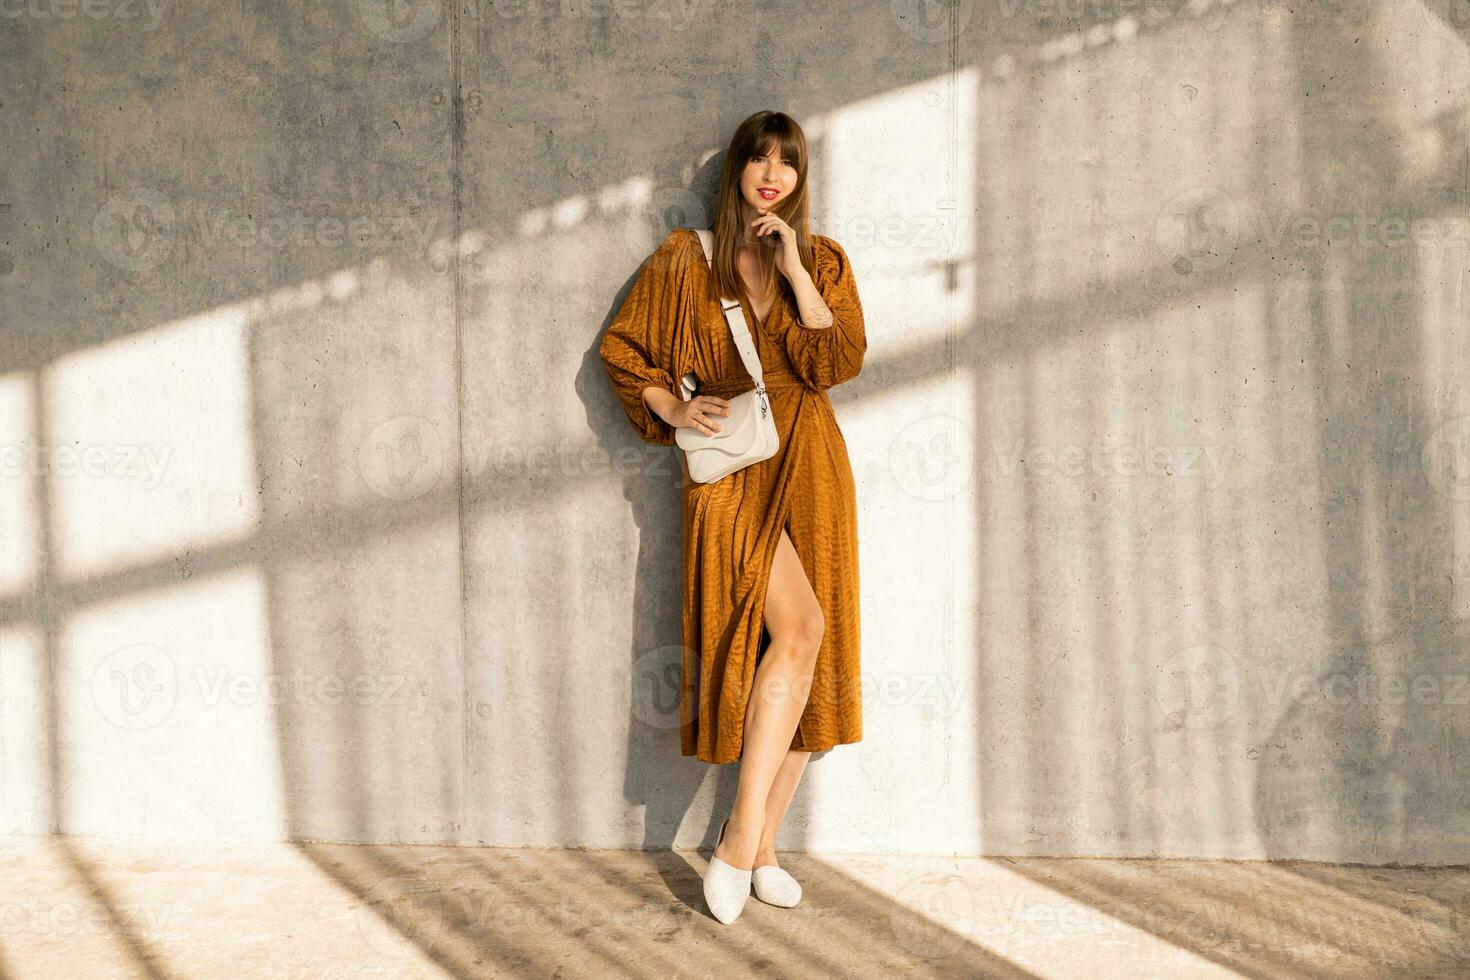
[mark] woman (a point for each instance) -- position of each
(774, 545)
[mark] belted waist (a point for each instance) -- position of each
(725, 388)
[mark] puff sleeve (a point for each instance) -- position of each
(827, 356)
(640, 346)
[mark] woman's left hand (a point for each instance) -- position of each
(788, 257)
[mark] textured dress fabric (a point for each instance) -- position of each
(669, 325)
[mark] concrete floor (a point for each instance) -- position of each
(94, 908)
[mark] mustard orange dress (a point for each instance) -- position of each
(667, 326)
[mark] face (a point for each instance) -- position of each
(767, 178)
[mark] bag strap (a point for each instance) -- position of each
(735, 317)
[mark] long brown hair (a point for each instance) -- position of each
(757, 133)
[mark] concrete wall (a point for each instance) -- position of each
(320, 520)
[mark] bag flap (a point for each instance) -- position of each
(738, 430)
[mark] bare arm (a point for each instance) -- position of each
(698, 411)
(829, 345)
(814, 312)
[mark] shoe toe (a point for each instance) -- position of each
(775, 887)
(725, 890)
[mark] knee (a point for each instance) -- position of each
(807, 631)
(799, 634)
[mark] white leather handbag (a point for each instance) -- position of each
(748, 434)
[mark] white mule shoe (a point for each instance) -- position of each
(775, 887)
(726, 887)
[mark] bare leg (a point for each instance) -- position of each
(783, 789)
(782, 683)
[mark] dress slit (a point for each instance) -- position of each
(798, 737)
(761, 634)
(757, 607)
(766, 639)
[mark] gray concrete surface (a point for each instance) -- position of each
(319, 521)
(123, 909)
